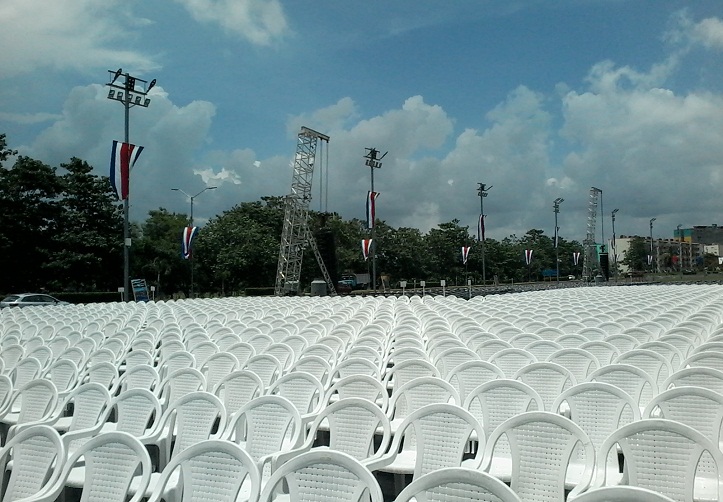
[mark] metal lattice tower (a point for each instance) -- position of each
(590, 259)
(296, 235)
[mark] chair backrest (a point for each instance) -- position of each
(25, 370)
(141, 376)
(302, 389)
(542, 349)
(203, 351)
(243, 351)
(495, 401)
(697, 407)
(355, 366)
(541, 445)
(193, 416)
(406, 371)
(238, 388)
(211, 470)
(648, 447)
(134, 410)
(360, 386)
(548, 379)
(604, 352)
(633, 380)
(63, 374)
(439, 434)
(324, 475)
(598, 408)
(315, 365)
(38, 455)
(89, 401)
(217, 367)
(510, 361)
(622, 494)
(698, 376)
(420, 392)
(457, 484)
(653, 363)
(112, 461)
(263, 424)
(449, 359)
(579, 361)
(471, 374)
(38, 400)
(267, 367)
(6, 392)
(354, 426)
(179, 383)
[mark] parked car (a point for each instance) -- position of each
(30, 299)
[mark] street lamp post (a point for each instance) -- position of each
(127, 94)
(192, 197)
(556, 207)
(482, 190)
(652, 256)
(615, 251)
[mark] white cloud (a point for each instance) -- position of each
(259, 21)
(685, 32)
(709, 32)
(28, 118)
(67, 34)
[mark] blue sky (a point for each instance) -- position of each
(538, 98)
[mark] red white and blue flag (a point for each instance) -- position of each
(189, 233)
(528, 256)
(122, 159)
(371, 208)
(481, 227)
(465, 254)
(366, 245)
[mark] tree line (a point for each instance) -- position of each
(61, 229)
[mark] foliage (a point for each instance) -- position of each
(636, 256)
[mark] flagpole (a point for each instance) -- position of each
(373, 162)
(482, 192)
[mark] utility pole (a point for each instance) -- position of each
(192, 197)
(680, 249)
(127, 94)
(651, 245)
(556, 207)
(482, 190)
(373, 161)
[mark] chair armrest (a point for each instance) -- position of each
(381, 462)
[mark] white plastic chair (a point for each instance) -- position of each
(471, 374)
(267, 367)
(407, 371)
(417, 393)
(243, 352)
(314, 365)
(36, 403)
(579, 361)
(111, 462)
(633, 380)
(510, 361)
(88, 402)
(496, 401)
(25, 370)
(141, 376)
(664, 455)
(186, 421)
(64, 375)
(176, 361)
(449, 359)
(6, 393)
(37, 454)
(541, 446)
(303, 390)
(266, 427)
(355, 426)
(432, 437)
(324, 475)
(178, 384)
(209, 470)
(457, 484)
(622, 494)
(654, 364)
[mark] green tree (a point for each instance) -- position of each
(87, 249)
(636, 256)
(445, 249)
(156, 252)
(28, 222)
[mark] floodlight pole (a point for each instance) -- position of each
(556, 207)
(373, 161)
(615, 252)
(129, 96)
(482, 190)
(192, 197)
(652, 257)
(680, 249)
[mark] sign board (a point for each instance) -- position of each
(443, 283)
(140, 290)
(403, 284)
(422, 283)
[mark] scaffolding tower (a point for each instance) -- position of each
(590, 263)
(296, 236)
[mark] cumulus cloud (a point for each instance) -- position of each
(709, 32)
(28, 118)
(67, 34)
(259, 21)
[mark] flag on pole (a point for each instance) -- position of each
(366, 245)
(371, 208)
(481, 228)
(650, 259)
(465, 254)
(576, 257)
(528, 256)
(189, 233)
(557, 229)
(123, 158)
